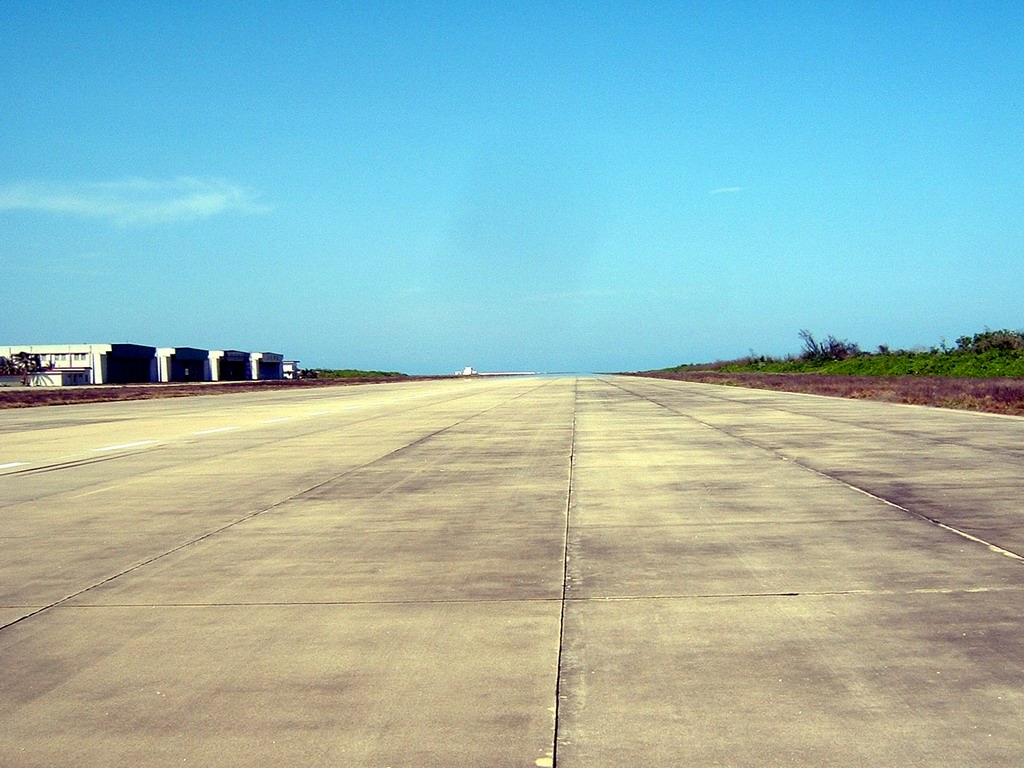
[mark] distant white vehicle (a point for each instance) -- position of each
(467, 371)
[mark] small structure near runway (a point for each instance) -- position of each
(471, 371)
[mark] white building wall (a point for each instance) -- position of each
(90, 356)
(215, 356)
(46, 379)
(59, 378)
(163, 363)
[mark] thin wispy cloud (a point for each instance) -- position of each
(133, 201)
(725, 191)
(594, 293)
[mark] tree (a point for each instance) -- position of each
(1004, 340)
(830, 348)
(20, 363)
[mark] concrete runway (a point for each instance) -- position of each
(511, 572)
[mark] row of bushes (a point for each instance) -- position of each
(987, 354)
(348, 373)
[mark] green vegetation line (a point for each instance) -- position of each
(990, 354)
(349, 373)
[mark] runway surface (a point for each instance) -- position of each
(591, 571)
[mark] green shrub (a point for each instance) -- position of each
(352, 373)
(988, 354)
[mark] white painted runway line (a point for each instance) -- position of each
(275, 421)
(136, 444)
(215, 430)
(12, 464)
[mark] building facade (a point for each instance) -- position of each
(57, 365)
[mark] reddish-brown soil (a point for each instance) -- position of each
(992, 395)
(26, 397)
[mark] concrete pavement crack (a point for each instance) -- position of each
(326, 603)
(800, 593)
(567, 600)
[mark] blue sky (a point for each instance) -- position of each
(541, 186)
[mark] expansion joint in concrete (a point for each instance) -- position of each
(804, 594)
(565, 574)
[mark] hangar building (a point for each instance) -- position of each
(68, 364)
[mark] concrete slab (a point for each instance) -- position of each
(44, 571)
(777, 559)
(867, 680)
(395, 601)
(740, 493)
(11, 613)
(407, 684)
(511, 562)
(894, 627)
(958, 467)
